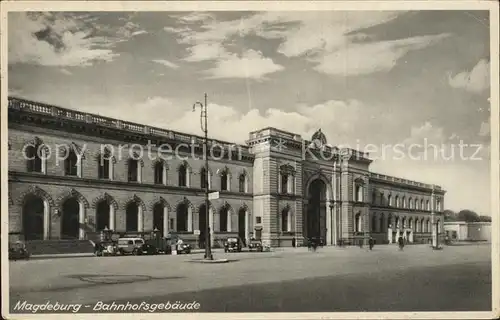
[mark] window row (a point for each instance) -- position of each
(36, 162)
(380, 224)
(417, 204)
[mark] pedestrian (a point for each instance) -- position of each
(293, 242)
(314, 245)
(371, 243)
(401, 243)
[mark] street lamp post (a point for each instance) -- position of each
(204, 128)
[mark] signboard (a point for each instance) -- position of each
(196, 232)
(213, 195)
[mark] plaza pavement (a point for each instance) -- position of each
(331, 279)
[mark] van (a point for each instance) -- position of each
(130, 245)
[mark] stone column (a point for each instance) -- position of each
(164, 174)
(228, 222)
(81, 221)
(389, 234)
(111, 168)
(79, 166)
(140, 220)
(190, 220)
(247, 222)
(46, 219)
(166, 220)
(111, 217)
(139, 172)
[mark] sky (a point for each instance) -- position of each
(371, 80)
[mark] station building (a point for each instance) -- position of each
(74, 174)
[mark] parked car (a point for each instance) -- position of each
(148, 249)
(130, 246)
(255, 245)
(233, 245)
(18, 251)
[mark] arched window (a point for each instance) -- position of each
(35, 156)
(203, 178)
(382, 199)
(159, 174)
(397, 201)
(104, 167)
(133, 170)
(410, 203)
(357, 223)
(404, 202)
(428, 205)
(182, 217)
(390, 222)
(374, 223)
(225, 180)
(223, 219)
(183, 175)
(422, 204)
(286, 179)
(358, 190)
(417, 204)
(389, 200)
(438, 205)
(404, 222)
(71, 164)
(381, 223)
(397, 223)
(374, 197)
(242, 182)
(285, 220)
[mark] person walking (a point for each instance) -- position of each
(401, 243)
(371, 243)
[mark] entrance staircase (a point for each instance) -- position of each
(59, 246)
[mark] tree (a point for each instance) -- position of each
(485, 218)
(468, 216)
(450, 215)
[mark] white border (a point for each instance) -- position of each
(492, 6)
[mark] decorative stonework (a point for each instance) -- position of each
(185, 201)
(135, 199)
(106, 197)
(162, 161)
(227, 206)
(72, 193)
(210, 205)
(161, 201)
(36, 191)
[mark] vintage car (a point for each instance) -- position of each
(233, 245)
(18, 251)
(255, 245)
(148, 249)
(183, 248)
(130, 246)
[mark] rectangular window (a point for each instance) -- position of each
(258, 219)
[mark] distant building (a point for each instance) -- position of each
(278, 187)
(468, 231)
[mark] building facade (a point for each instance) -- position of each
(468, 231)
(74, 174)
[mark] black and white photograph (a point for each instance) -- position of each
(250, 160)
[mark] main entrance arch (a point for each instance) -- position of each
(316, 211)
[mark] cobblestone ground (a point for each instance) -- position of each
(331, 279)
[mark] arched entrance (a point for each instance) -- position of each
(102, 215)
(33, 218)
(182, 217)
(70, 224)
(242, 223)
(159, 218)
(316, 210)
(132, 217)
(223, 219)
(202, 224)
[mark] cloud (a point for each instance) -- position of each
(166, 63)
(476, 81)
(251, 65)
(63, 39)
(66, 72)
(333, 40)
(359, 59)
